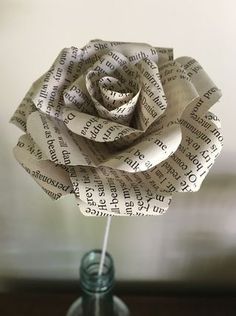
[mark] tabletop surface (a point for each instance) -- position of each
(57, 304)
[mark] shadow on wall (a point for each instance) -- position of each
(216, 266)
(208, 245)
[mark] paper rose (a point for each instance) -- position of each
(121, 125)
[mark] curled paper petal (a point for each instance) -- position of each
(53, 179)
(148, 152)
(185, 170)
(21, 114)
(207, 90)
(76, 96)
(54, 139)
(121, 125)
(47, 94)
(152, 99)
(110, 192)
(96, 128)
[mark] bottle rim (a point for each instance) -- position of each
(90, 280)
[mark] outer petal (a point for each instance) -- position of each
(179, 92)
(47, 93)
(164, 54)
(88, 211)
(53, 179)
(62, 146)
(117, 193)
(206, 88)
(133, 51)
(187, 167)
(21, 114)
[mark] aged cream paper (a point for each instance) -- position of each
(121, 125)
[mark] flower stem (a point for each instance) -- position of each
(104, 246)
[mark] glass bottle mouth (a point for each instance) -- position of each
(90, 280)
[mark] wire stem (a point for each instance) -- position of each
(104, 246)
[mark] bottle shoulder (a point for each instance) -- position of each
(119, 308)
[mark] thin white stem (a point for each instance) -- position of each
(104, 246)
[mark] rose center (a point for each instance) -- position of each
(114, 98)
(114, 94)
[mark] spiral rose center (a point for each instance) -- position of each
(113, 98)
(114, 94)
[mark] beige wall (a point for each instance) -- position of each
(40, 238)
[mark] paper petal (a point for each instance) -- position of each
(133, 51)
(121, 125)
(152, 101)
(53, 179)
(164, 54)
(187, 167)
(151, 150)
(96, 128)
(21, 114)
(76, 96)
(112, 191)
(113, 69)
(206, 88)
(48, 91)
(180, 93)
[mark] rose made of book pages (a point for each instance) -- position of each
(121, 125)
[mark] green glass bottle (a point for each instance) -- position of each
(97, 298)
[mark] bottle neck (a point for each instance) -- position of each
(90, 281)
(97, 289)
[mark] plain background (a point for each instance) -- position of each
(196, 240)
